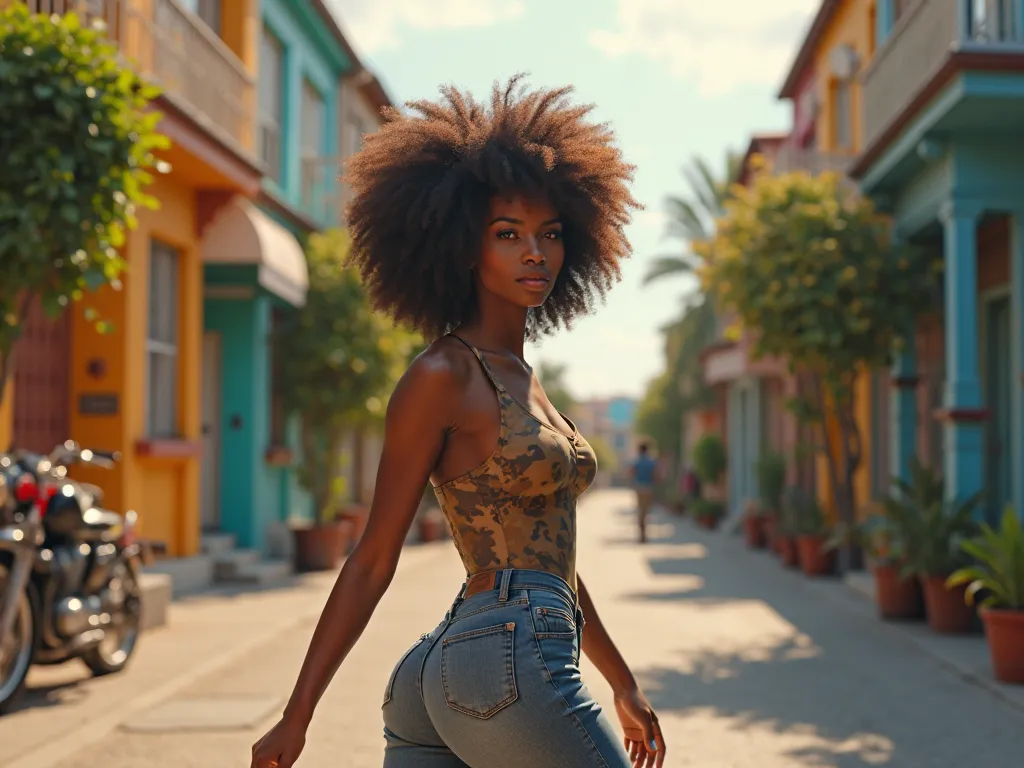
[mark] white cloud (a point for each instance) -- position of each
(721, 44)
(377, 24)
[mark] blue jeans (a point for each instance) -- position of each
(497, 685)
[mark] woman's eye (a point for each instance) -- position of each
(507, 234)
(553, 235)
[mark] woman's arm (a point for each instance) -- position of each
(643, 739)
(418, 414)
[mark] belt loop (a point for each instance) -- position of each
(506, 579)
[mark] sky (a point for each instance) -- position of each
(677, 79)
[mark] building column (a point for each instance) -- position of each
(883, 20)
(904, 410)
(962, 412)
(1017, 355)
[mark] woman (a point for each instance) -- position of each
(484, 226)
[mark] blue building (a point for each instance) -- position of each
(256, 276)
(943, 113)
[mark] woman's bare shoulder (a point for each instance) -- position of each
(437, 378)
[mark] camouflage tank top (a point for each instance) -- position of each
(518, 508)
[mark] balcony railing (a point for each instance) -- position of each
(921, 42)
(790, 159)
(322, 196)
(175, 50)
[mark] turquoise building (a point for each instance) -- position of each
(256, 277)
(943, 116)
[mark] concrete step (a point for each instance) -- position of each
(188, 574)
(263, 573)
(218, 543)
(227, 564)
(156, 596)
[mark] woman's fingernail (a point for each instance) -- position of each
(654, 745)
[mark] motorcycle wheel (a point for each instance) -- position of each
(16, 652)
(113, 652)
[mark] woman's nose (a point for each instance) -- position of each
(532, 253)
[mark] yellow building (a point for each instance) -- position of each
(137, 390)
(825, 84)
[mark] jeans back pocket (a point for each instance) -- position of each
(478, 670)
(553, 622)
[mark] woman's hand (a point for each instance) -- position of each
(281, 747)
(643, 740)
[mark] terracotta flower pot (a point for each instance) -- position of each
(318, 548)
(430, 528)
(897, 598)
(814, 559)
(356, 516)
(753, 530)
(788, 551)
(707, 521)
(947, 610)
(1005, 632)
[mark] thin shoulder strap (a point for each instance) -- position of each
(483, 364)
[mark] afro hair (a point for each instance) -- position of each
(423, 184)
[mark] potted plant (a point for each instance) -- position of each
(710, 463)
(998, 575)
(933, 529)
(753, 524)
(708, 512)
(812, 536)
(897, 595)
(339, 361)
(771, 478)
(786, 529)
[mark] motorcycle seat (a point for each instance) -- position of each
(101, 524)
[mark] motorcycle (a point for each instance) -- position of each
(69, 569)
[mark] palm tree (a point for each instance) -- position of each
(693, 218)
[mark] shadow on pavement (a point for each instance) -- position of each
(829, 678)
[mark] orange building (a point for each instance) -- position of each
(136, 390)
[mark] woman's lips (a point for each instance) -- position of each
(534, 283)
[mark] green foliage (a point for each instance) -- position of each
(340, 361)
(707, 508)
(76, 138)
(771, 479)
(607, 461)
(709, 459)
(925, 526)
(813, 271)
(999, 566)
(552, 378)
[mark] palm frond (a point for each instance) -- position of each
(663, 266)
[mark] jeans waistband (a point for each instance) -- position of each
(521, 578)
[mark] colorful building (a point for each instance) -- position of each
(943, 110)
(255, 276)
(136, 390)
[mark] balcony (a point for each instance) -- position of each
(322, 196)
(172, 48)
(923, 45)
(790, 159)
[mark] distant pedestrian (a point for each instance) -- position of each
(484, 224)
(644, 474)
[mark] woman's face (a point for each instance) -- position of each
(522, 250)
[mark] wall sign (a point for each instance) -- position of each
(98, 404)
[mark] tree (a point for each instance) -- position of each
(552, 378)
(813, 274)
(76, 138)
(692, 218)
(340, 362)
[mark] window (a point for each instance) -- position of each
(162, 342)
(842, 115)
(313, 118)
(207, 10)
(355, 131)
(271, 103)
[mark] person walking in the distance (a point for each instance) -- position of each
(644, 473)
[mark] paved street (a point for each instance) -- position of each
(749, 666)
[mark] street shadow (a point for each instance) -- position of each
(785, 682)
(66, 693)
